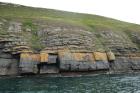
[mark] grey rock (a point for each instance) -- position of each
(135, 63)
(8, 66)
(101, 65)
(48, 69)
(121, 64)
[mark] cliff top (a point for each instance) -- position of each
(42, 28)
(93, 21)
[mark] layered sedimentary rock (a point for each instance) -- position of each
(82, 61)
(44, 46)
(8, 64)
(28, 62)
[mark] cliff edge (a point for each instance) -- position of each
(40, 41)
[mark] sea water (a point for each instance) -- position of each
(114, 83)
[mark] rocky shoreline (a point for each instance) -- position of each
(46, 47)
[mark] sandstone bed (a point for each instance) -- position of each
(42, 41)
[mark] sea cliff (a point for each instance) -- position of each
(43, 41)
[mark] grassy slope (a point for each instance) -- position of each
(93, 22)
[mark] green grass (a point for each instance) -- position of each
(91, 22)
(34, 39)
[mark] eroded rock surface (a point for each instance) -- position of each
(40, 46)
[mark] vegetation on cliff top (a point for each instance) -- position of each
(92, 22)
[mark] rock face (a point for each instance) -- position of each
(82, 61)
(41, 47)
(28, 62)
(8, 64)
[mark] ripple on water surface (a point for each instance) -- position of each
(124, 83)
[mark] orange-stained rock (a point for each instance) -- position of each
(83, 56)
(100, 56)
(62, 53)
(78, 56)
(134, 55)
(36, 57)
(65, 55)
(29, 57)
(24, 55)
(43, 57)
(28, 62)
(111, 56)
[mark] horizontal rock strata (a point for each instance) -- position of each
(41, 47)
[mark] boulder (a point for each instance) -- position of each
(111, 56)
